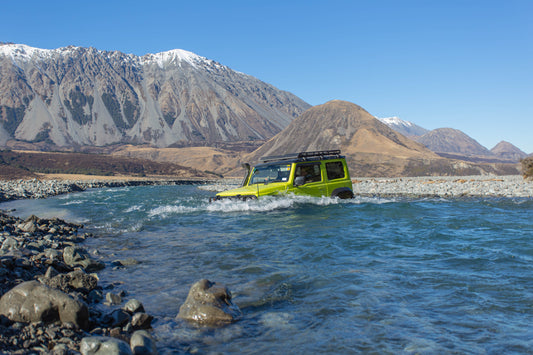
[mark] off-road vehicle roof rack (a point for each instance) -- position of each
(322, 154)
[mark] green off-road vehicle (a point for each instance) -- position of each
(321, 173)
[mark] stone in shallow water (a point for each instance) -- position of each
(142, 343)
(209, 303)
(133, 306)
(104, 345)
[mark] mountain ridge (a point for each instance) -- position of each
(76, 96)
(454, 143)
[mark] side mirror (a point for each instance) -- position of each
(299, 181)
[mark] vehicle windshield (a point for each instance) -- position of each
(271, 173)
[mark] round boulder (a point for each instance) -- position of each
(104, 346)
(209, 303)
(32, 301)
(142, 343)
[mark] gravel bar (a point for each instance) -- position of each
(449, 186)
(34, 188)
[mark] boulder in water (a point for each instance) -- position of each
(98, 345)
(209, 303)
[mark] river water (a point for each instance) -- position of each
(370, 275)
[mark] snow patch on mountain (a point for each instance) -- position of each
(395, 121)
(175, 56)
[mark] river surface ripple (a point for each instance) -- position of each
(317, 275)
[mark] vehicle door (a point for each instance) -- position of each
(308, 180)
(336, 176)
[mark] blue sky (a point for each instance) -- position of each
(463, 64)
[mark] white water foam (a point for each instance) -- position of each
(263, 204)
(133, 208)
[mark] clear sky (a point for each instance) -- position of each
(465, 64)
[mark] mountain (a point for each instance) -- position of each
(74, 96)
(452, 143)
(450, 140)
(508, 151)
(371, 147)
(406, 128)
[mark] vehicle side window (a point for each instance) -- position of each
(335, 170)
(311, 172)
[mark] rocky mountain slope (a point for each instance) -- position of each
(450, 140)
(507, 151)
(455, 143)
(370, 146)
(73, 96)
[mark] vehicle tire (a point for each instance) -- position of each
(343, 193)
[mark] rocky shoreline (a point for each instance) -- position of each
(50, 299)
(35, 188)
(509, 186)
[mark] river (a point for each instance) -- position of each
(311, 275)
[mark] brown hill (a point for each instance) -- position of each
(207, 159)
(370, 146)
(24, 164)
(450, 140)
(508, 151)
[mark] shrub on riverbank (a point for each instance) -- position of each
(527, 168)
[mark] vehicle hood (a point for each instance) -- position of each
(256, 189)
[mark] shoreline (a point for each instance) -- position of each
(509, 186)
(59, 184)
(51, 300)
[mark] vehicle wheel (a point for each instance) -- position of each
(343, 193)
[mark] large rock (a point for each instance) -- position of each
(142, 343)
(34, 302)
(209, 303)
(77, 280)
(104, 346)
(77, 256)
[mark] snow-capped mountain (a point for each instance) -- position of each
(406, 128)
(75, 96)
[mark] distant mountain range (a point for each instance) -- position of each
(372, 148)
(453, 143)
(74, 96)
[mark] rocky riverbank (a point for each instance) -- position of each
(448, 186)
(50, 299)
(36, 188)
